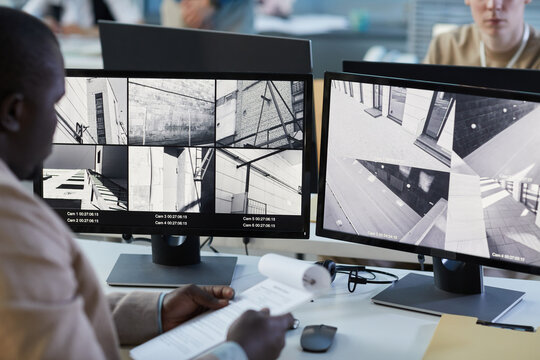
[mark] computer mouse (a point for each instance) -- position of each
(317, 338)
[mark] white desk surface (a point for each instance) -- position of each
(365, 330)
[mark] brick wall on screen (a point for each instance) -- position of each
(249, 109)
(479, 119)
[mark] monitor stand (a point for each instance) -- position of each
(455, 288)
(175, 261)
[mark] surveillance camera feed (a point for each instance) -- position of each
(213, 154)
(442, 170)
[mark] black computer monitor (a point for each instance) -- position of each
(523, 80)
(181, 154)
(156, 48)
(435, 169)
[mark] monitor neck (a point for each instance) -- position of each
(175, 250)
(457, 276)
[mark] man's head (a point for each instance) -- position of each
(31, 82)
(498, 18)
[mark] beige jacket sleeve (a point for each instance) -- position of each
(31, 330)
(135, 316)
(51, 305)
(431, 55)
(171, 14)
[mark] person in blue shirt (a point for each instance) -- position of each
(223, 15)
(81, 16)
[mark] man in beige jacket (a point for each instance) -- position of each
(51, 304)
(499, 37)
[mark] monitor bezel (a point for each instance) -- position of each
(213, 50)
(366, 240)
(521, 80)
(126, 229)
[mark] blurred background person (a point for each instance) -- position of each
(81, 16)
(499, 37)
(281, 8)
(223, 15)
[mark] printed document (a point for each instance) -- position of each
(290, 283)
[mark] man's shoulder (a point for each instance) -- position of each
(530, 59)
(36, 250)
(534, 33)
(28, 221)
(454, 47)
(458, 37)
(534, 37)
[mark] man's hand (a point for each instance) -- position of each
(52, 24)
(260, 335)
(189, 301)
(74, 29)
(196, 14)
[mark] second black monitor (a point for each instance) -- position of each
(523, 80)
(156, 48)
(440, 170)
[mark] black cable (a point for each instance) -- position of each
(421, 260)
(245, 240)
(209, 241)
(204, 242)
(355, 278)
(348, 272)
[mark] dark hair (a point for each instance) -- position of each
(28, 49)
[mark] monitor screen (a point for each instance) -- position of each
(435, 169)
(209, 51)
(178, 153)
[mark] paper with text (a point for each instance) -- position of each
(290, 283)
